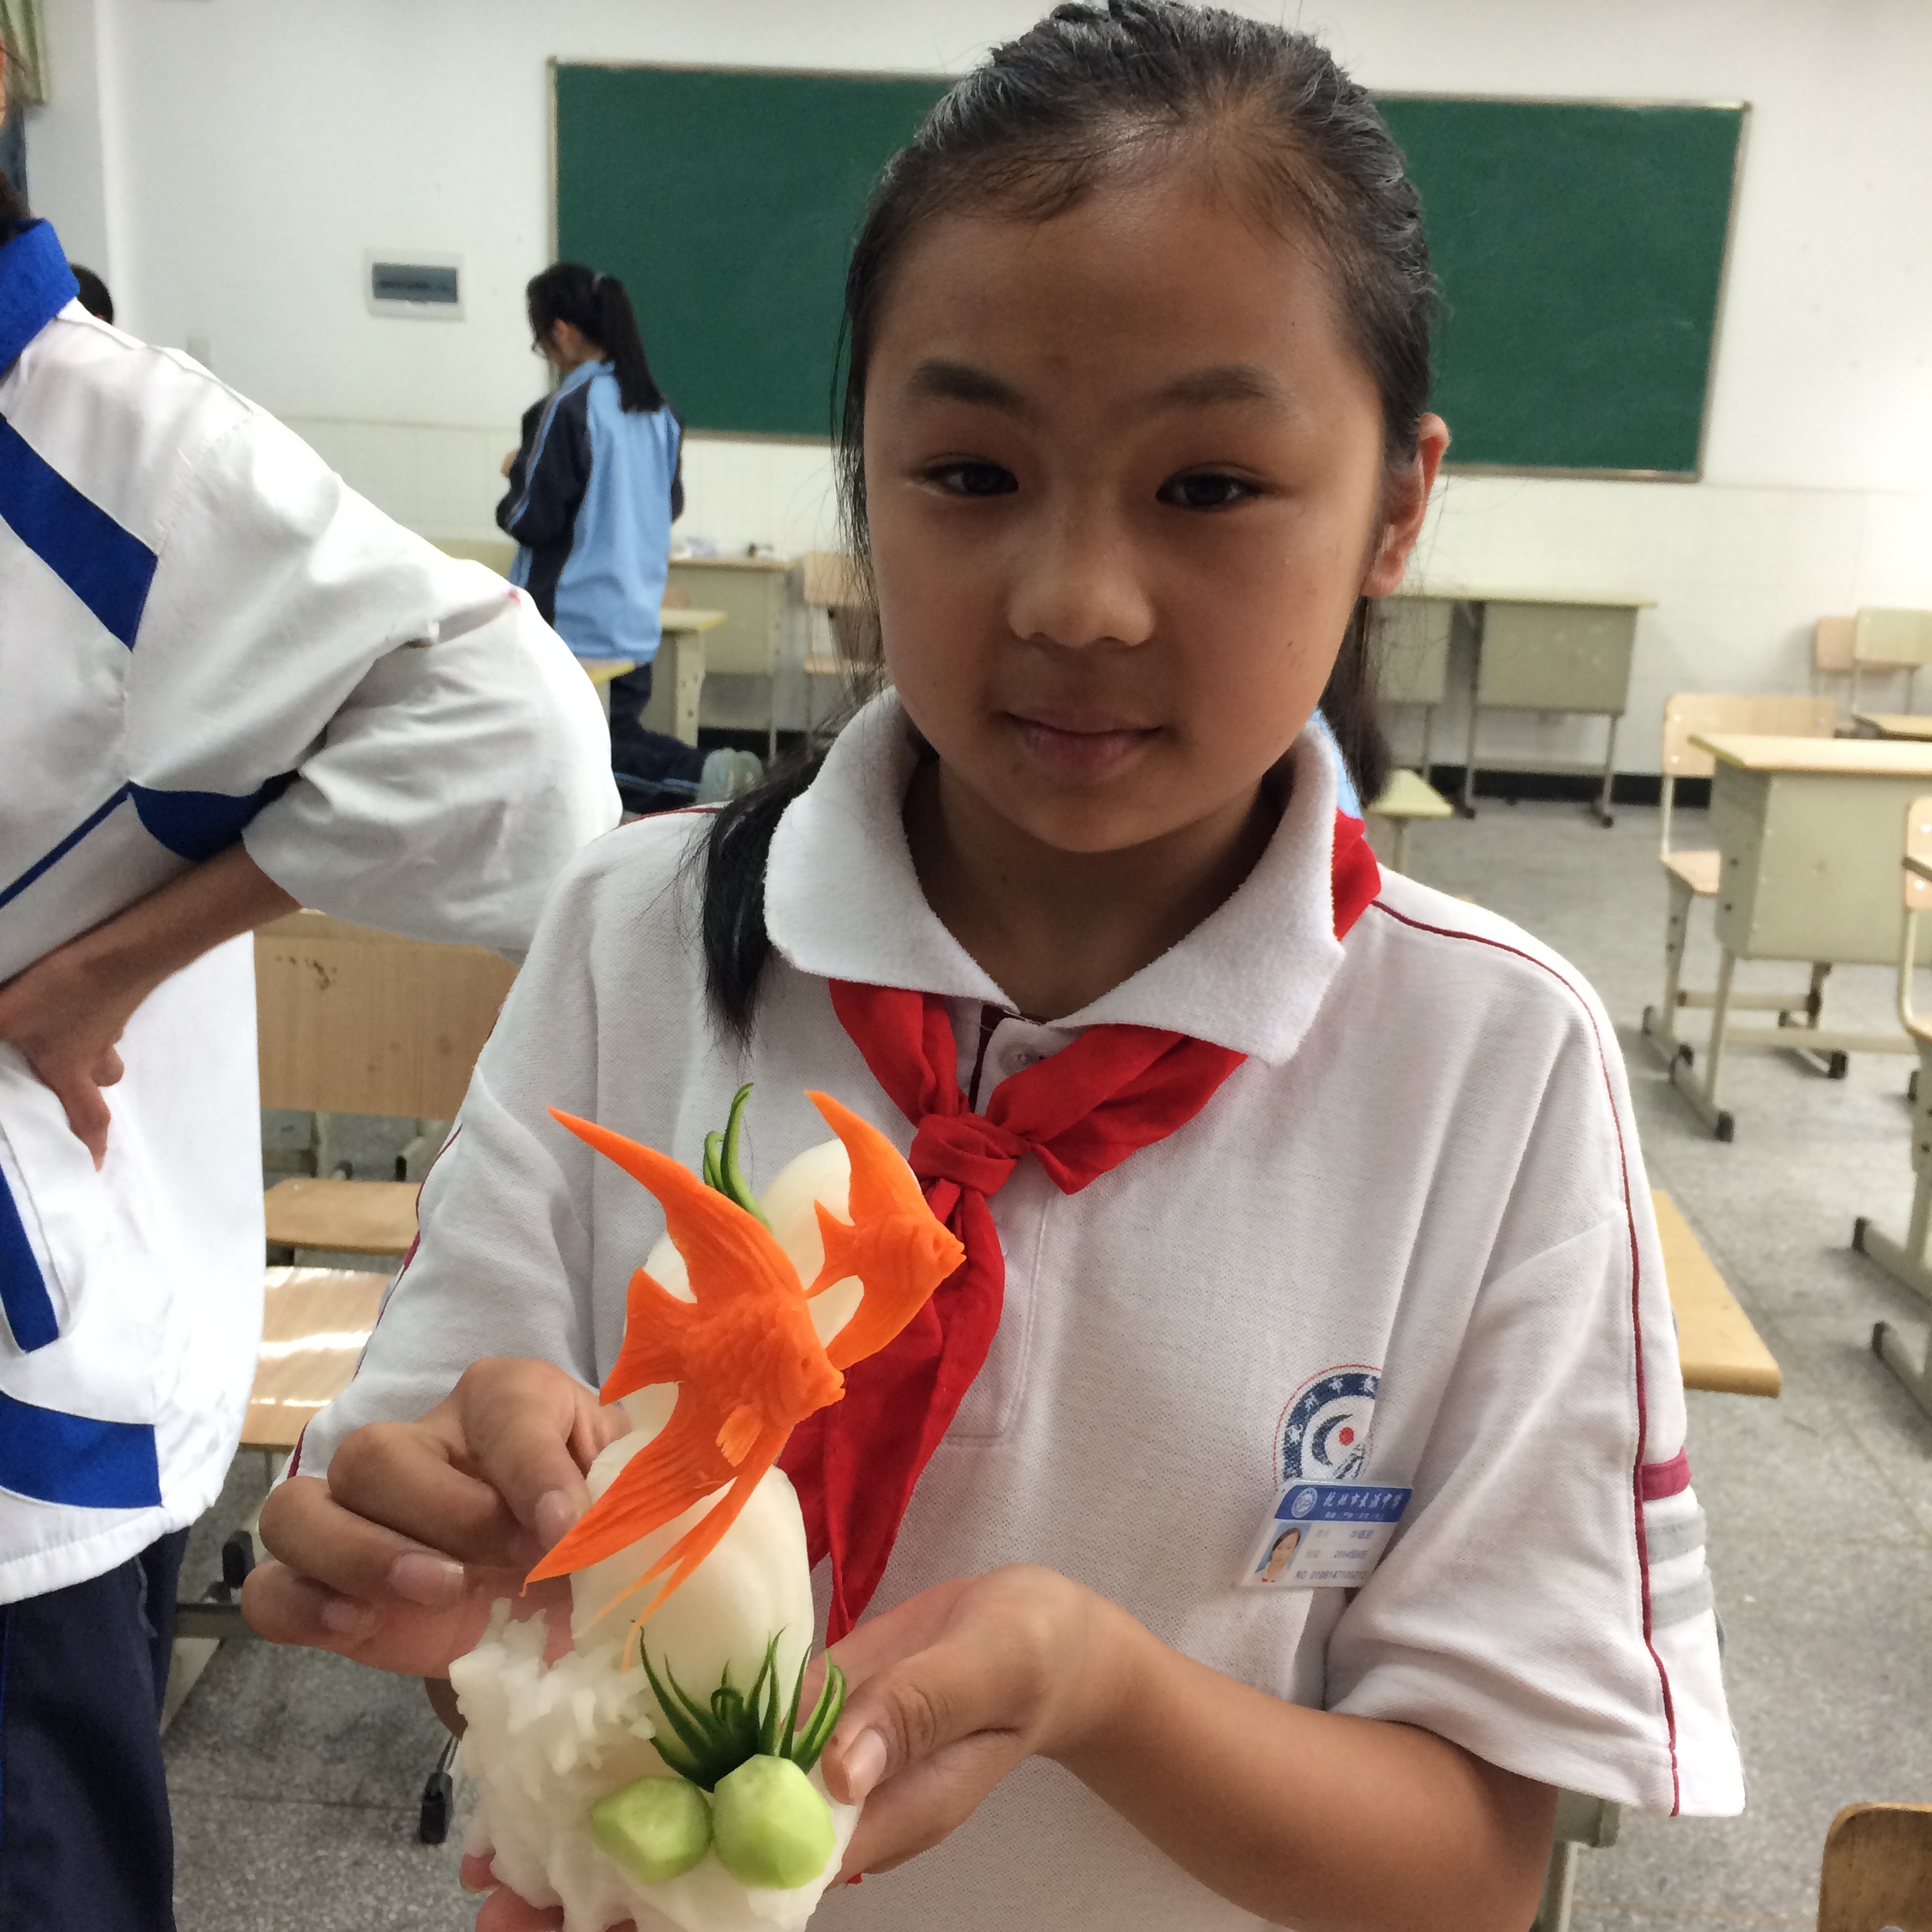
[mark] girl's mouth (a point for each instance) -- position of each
(1081, 746)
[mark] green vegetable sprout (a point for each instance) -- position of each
(722, 1170)
(713, 1740)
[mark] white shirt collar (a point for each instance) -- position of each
(842, 902)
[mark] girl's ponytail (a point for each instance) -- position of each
(599, 308)
(616, 335)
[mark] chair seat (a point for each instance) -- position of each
(314, 1324)
(349, 1217)
(1700, 870)
(1409, 795)
(1717, 1347)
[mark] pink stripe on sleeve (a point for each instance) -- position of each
(1656, 1481)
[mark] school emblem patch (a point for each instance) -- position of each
(1324, 1430)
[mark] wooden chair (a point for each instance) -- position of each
(1407, 797)
(1906, 1261)
(1877, 1872)
(1892, 643)
(351, 1020)
(1693, 875)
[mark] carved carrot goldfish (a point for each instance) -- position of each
(747, 1362)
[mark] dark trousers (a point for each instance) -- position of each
(653, 772)
(85, 1843)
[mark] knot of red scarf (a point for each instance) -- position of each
(1080, 1113)
(953, 1153)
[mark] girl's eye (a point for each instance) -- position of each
(973, 479)
(1205, 489)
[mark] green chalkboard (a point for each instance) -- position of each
(727, 204)
(1580, 248)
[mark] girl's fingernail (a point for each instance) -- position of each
(348, 1618)
(864, 1763)
(420, 1577)
(555, 1515)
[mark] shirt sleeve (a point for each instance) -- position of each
(551, 473)
(1546, 1605)
(406, 742)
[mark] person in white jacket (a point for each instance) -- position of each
(232, 687)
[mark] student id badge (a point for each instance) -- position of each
(1325, 1536)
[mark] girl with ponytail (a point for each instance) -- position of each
(1290, 1195)
(595, 485)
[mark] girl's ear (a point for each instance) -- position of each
(1404, 504)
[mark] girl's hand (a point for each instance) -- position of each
(395, 1557)
(954, 1688)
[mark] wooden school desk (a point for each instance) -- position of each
(752, 681)
(1808, 829)
(1893, 724)
(683, 654)
(1545, 650)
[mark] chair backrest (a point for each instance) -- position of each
(830, 580)
(1688, 714)
(1892, 639)
(1831, 644)
(1877, 1870)
(350, 1020)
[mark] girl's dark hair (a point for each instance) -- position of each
(599, 308)
(1095, 91)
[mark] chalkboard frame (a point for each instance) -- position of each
(1452, 466)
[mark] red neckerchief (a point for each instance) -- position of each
(1078, 1112)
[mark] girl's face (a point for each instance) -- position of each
(1124, 477)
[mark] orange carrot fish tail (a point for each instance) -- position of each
(656, 1324)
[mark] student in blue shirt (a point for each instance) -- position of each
(594, 488)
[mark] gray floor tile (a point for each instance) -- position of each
(265, 1865)
(265, 1718)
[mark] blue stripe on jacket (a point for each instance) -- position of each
(23, 1294)
(106, 566)
(77, 1461)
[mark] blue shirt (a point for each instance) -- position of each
(590, 502)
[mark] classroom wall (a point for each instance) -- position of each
(227, 162)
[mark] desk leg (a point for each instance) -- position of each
(1659, 1022)
(1559, 1890)
(1469, 764)
(1398, 859)
(688, 676)
(1889, 1345)
(1906, 1262)
(1428, 740)
(1609, 776)
(1704, 1100)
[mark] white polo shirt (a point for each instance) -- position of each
(1408, 1241)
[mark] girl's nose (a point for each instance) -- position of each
(1076, 581)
